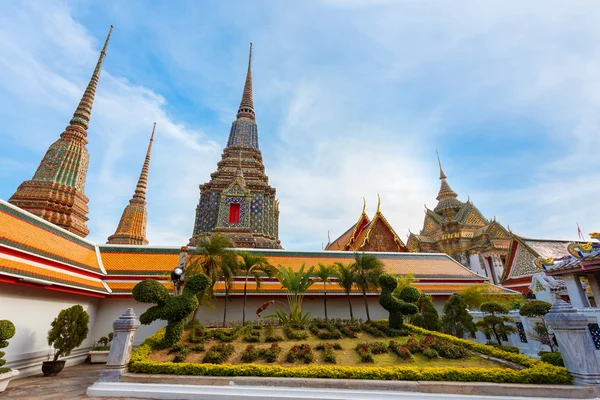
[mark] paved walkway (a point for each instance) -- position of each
(71, 383)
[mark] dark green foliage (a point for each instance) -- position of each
(510, 349)
(456, 320)
(364, 352)
(348, 332)
(552, 358)
(270, 335)
(367, 269)
(397, 307)
(443, 347)
(182, 354)
(535, 308)
(252, 333)
(493, 324)
(174, 310)
(219, 353)
(198, 347)
(378, 347)
(7, 331)
(68, 330)
(372, 330)
(324, 329)
(427, 317)
(329, 351)
(300, 352)
(294, 334)
(430, 353)
(399, 350)
(251, 353)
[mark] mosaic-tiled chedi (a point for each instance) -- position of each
(238, 201)
(132, 225)
(461, 231)
(55, 193)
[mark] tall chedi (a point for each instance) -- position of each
(55, 192)
(132, 225)
(238, 201)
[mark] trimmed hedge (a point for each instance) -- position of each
(538, 372)
(552, 358)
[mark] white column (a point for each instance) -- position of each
(577, 296)
(595, 286)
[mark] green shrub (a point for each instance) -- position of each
(329, 353)
(456, 320)
(444, 348)
(364, 352)
(7, 331)
(399, 350)
(219, 353)
(430, 353)
(552, 358)
(198, 347)
(397, 307)
(294, 334)
(324, 330)
(300, 352)
(270, 335)
(427, 316)
(182, 354)
(69, 330)
(174, 310)
(348, 332)
(510, 349)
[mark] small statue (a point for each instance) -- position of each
(397, 307)
(174, 310)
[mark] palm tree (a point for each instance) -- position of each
(368, 268)
(346, 279)
(227, 272)
(211, 255)
(324, 273)
(254, 265)
(296, 283)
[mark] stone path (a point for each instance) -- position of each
(71, 383)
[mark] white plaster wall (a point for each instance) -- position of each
(32, 310)
(476, 265)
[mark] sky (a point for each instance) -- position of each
(352, 99)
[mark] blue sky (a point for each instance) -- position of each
(352, 98)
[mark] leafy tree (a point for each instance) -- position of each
(404, 281)
(456, 320)
(367, 269)
(324, 273)
(69, 330)
(493, 324)
(397, 307)
(254, 265)
(539, 308)
(346, 279)
(211, 255)
(476, 295)
(427, 316)
(296, 283)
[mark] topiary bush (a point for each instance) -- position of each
(552, 358)
(174, 310)
(7, 331)
(397, 307)
(69, 330)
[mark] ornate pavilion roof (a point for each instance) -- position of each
(35, 252)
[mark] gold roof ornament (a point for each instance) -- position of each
(595, 235)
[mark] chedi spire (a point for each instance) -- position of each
(447, 198)
(132, 225)
(247, 104)
(56, 191)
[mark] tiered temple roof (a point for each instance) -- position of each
(35, 252)
(56, 191)
(132, 225)
(369, 235)
(237, 201)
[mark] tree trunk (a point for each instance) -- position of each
(497, 335)
(325, 299)
(225, 308)
(366, 305)
(350, 306)
(244, 309)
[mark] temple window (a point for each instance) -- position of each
(234, 213)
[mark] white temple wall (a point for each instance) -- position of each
(32, 310)
(476, 266)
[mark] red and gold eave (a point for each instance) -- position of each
(34, 252)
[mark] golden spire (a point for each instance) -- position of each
(447, 198)
(132, 225)
(364, 206)
(140, 189)
(247, 104)
(442, 175)
(81, 116)
(378, 203)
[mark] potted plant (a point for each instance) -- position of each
(68, 331)
(7, 331)
(99, 353)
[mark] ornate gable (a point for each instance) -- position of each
(431, 223)
(380, 236)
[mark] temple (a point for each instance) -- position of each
(132, 225)
(56, 191)
(238, 201)
(369, 235)
(460, 230)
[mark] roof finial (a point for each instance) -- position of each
(364, 206)
(247, 105)
(140, 189)
(81, 116)
(378, 202)
(442, 175)
(328, 238)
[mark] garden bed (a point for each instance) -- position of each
(411, 356)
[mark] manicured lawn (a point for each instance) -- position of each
(347, 356)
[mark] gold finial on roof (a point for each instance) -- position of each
(378, 203)
(328, 238)
(364, 211)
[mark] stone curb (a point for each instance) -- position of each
(456, 388)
